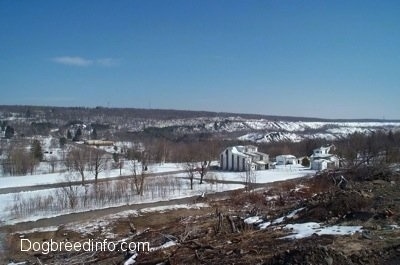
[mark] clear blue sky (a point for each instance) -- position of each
(328, 59)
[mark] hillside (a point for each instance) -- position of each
(177, 123)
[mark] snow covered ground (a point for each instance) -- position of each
(302, 230)
(266, 176)
(87, 227)
(33, 205)
(40, 179)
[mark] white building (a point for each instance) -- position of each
(239, 158)
(286, 160)
(321, 159)
(99, 142)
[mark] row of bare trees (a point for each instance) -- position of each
(104, 194)
(376, 148)
(83, 159)
(356, 149)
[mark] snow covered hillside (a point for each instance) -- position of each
(264, 130)
(175, 123)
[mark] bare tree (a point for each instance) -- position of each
(203, 170)
(77, 160)
(98, 162)
(18, 161)
(250, 176)
(191, 154)
(139, 169)
(70, 192)
(190, 168)
(52, 163)
(159, 150)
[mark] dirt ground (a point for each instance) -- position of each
(218, 235)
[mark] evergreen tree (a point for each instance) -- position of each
(115, 157)
(62, 141)
(28, 113)
(36, 149)
(3, 125)
(9, 133)
(69, 135)
(94, 134)
(305, 162)
(78, 135)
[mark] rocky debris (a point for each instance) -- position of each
(309, 255)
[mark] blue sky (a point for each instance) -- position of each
(328, 59)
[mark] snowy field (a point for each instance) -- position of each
(266, 176)
(40, 179)
(262, 176)
(33, 205)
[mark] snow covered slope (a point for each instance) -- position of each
(263, 130)
(297, 131)
(256, 128)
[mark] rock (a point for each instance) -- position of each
(132, 228)
(380, 182)
(366, 234)
(329, 260)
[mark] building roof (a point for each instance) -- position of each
(321, 155)
(260, 153)
(240, 150)
(236, 151)
(320, 161)
(287, 156)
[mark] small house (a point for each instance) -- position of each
(322, 159)
(99, 142)
(286, 160)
